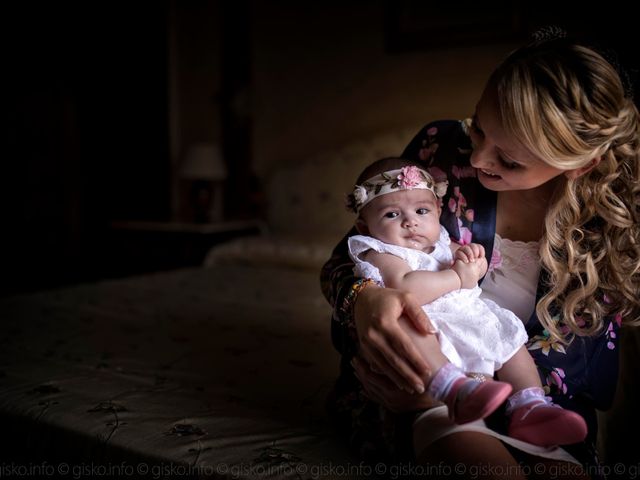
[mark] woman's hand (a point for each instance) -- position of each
(379, 389)
(383, 345)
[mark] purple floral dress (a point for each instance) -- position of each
(580, 376)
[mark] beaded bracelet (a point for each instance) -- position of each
(350, 299)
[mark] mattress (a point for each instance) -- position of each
(218, 371)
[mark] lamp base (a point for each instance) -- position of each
(204, 202)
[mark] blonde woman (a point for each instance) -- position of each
(550, 171)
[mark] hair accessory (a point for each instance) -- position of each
(548, 33)
(406, 178)
(629, 80)
(611, 56)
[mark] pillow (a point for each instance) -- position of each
(272, 251)
(307, 198)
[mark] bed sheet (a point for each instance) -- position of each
(216, 371)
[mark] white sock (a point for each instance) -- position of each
(525, 397)
(443, 380)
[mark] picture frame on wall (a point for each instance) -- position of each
(414, 25)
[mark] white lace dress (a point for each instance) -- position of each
(476, 335)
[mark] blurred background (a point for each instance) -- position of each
(140, 133)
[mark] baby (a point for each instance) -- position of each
(402, 245)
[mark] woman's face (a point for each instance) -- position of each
(503, 163)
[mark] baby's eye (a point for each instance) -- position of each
(422, 211)
(391, 214)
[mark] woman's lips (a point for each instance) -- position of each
(489, 174)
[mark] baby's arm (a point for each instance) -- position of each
(426, 286)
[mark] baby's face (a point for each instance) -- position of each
(407, 218)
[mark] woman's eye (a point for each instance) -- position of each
(391, 214)
(508, 164)
(422, 211)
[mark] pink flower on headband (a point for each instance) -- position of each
(409, 177)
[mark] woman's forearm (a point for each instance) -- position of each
(337, 276)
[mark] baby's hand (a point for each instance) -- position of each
(474, 253)
(469, 273)
(470, 252)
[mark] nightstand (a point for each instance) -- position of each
(139, 247)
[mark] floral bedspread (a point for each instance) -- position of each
(208, 372)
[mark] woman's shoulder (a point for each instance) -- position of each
(441, 143)
(445, 130)
(445, 127)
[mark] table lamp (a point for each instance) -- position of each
(204, 167)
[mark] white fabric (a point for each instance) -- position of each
(512, 281)
(526, 396)
(434, 424)
(475, 335)
(513, 274)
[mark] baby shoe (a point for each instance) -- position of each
(470, 400)
(545, 424)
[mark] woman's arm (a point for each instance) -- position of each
(336, 280)
(368, 322)
(337, 275)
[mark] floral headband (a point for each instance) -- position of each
(406, 178)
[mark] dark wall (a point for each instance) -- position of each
(87, 134)
(86, 139)
(610, 26)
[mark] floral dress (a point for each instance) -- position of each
(580, 376)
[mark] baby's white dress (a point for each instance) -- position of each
(475, 334)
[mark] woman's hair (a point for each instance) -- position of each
(567, 105)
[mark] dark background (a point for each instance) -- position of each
(87, 111)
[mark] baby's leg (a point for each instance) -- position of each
(427, 345)
(533, 417)
(467, 399)
(520, 371)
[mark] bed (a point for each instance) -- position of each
(221, 370)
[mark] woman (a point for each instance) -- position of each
(550, 168)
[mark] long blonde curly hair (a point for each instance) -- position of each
(567, 105)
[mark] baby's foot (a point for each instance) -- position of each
(545, 423)
(470, 399)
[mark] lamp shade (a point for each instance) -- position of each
(203, 161)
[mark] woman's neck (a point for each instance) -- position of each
(521, 213)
